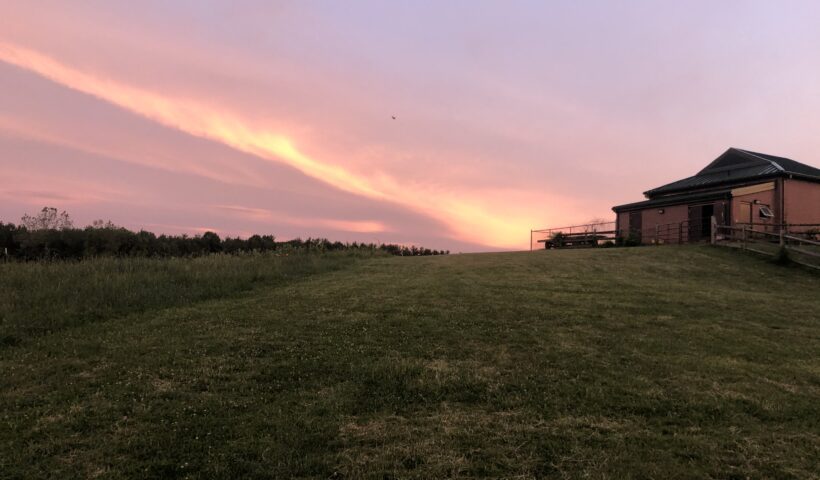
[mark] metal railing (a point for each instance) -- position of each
(674, 233)
(588, 235)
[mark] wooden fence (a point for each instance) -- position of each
(802, 244)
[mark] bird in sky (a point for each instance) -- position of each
(394, 117)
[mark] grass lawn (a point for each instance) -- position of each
(672, 362)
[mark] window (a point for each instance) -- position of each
(766, 212)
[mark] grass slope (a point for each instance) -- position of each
(688, 362)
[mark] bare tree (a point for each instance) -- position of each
(47, 219)
(103, 224)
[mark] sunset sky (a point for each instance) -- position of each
(275, 117)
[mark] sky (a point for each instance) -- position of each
(252, 116)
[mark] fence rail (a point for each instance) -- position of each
(687, 231)
(802, 243)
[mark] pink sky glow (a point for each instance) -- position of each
(262, 117)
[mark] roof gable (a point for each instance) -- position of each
(734, 159)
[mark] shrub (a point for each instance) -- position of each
(631, 240)
(558, 239)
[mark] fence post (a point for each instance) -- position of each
(782, 239)
(714, 230)
(743, 239)
(530, 239)
(657, 234)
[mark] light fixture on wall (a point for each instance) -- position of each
(660, 211)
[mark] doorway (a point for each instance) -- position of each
(745, 213)
(700, 222)
(706, 220)
(636, 224)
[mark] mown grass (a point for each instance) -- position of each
(674, 362)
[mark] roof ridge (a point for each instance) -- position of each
(758, 155)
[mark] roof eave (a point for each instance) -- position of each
(801, 176)
(672, 200)
(723, 183)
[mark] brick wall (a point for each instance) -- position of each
(801, 201)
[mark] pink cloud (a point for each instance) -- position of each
(260, 214)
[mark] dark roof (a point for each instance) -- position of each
(787, 164)
(737, 165)
(676, 200)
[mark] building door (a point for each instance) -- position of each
(635, 224)
(706, 212)
(700, 222)
(745, 213)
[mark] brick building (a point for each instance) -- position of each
(738, 188)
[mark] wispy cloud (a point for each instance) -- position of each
(468, 214)
(260, 214)
(46, 198)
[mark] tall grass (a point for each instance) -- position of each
(43, 297)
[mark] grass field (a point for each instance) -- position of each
(673, 362)
(42, 298)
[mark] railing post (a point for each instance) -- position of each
(530, 239)
(782, 239)
(743, 238)
(657, 234)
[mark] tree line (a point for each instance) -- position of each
(52, 235)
